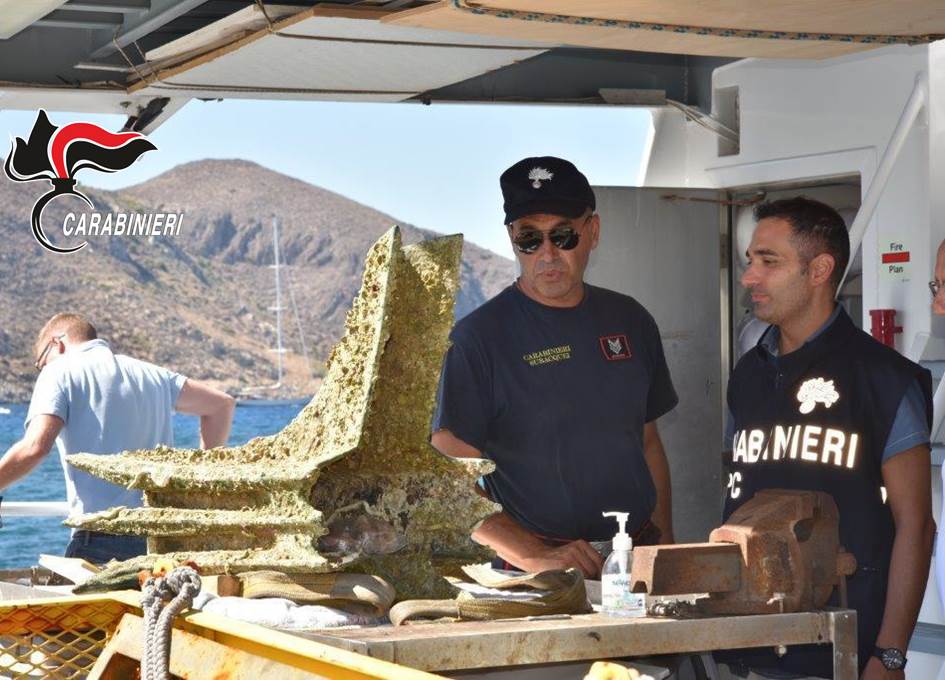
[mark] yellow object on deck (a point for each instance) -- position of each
(608, 670)
(63, 637)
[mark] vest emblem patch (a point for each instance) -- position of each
(615, 347)
(814, 391)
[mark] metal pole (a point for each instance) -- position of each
(843, 636)
(298, 320)
(275, 248)
(886, 164)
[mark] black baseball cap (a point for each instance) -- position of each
(545, 184)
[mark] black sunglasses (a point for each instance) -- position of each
(529, 241)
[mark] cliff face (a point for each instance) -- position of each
(200, 302)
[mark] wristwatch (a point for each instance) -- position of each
(893, 659)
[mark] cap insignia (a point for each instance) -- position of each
(537, 175)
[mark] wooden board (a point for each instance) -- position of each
(924, 17)
(902, 17)
(453, 646)
(75, 569)
(15, 591)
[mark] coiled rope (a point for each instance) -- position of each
(162, 599)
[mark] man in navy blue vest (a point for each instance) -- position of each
(818, 404)
(560, 383)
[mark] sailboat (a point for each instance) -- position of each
(253, 398)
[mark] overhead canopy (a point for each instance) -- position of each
(146, 58)
(902, 17)
(338, 54)
(805, 29)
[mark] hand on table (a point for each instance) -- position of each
(578, 554)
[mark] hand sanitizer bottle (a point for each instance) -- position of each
(616, 597)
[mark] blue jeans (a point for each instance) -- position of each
(99, 548)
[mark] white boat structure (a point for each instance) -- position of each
(844, 102)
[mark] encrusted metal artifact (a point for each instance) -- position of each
(351, 483)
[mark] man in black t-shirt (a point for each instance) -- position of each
(560, 383)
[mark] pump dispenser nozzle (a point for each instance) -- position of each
(622, 540)
(617, 596)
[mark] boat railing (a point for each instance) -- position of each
(33, 508)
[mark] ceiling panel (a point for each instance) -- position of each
(340, 55)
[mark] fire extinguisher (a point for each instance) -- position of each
(884, 326)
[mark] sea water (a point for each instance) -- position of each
(22, 539)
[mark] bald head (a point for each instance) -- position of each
(938, 302)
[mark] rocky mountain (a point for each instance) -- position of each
(199, 302)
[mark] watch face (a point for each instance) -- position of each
(893, 659)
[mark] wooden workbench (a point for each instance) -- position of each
(496, 644)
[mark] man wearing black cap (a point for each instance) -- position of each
(560, 383)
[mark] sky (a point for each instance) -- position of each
(436, 167)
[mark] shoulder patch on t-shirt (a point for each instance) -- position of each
(615, 347)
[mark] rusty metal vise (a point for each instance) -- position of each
(779, 552)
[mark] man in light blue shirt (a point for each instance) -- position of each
(90, 400)
(937, 286)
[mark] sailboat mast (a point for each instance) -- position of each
(278, 307)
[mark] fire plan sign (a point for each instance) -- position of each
(894, 261)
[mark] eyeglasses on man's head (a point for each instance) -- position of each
(41, 361)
